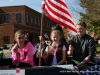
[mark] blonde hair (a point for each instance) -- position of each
(19, 32)
(56, 32)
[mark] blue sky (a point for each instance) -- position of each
(73, 6)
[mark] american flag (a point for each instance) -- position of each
(46, 36)
(58, 12)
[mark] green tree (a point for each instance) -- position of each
(91, 15)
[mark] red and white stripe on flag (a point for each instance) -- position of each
(58, 12)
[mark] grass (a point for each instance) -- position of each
(98, 50)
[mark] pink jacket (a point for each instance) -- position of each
(24, 55)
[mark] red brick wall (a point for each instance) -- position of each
(1, 35)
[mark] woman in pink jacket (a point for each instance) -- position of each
(22, 52)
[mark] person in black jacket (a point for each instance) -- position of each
(82, 46)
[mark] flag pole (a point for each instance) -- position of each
(40, 53)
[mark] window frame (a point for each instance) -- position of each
(19, 17)
(6, 39)
(7, 18)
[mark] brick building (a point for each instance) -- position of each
(13, 18)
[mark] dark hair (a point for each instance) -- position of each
(82, 24)
(57, 27)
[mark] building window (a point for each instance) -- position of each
(50, 25)
(45, 23)
(38, 22)
(6, 39)
(19, 17)
(35, 20)
(7, 18)
(31, 19)
(27, 18)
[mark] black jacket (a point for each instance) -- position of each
(83, 46)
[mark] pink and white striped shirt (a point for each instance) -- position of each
(24, 55)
